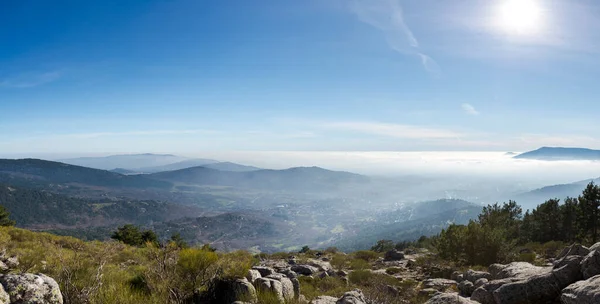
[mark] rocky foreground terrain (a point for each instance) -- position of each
(572, 277)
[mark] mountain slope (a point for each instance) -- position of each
(233, 167)
(531, 199)
(559, 153)
(293, 179)
(126, 161)
(41, 173)
(189, 163)
(392, 227)
(41, 209)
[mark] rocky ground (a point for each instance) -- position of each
(408, 277)
(572, 277)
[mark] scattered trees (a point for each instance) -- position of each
(500, 228)
(132, 235)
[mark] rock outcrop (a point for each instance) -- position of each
(439, 284)
(590, 266)
(324, 300)
(305, 269)
(31, 288)
(352, 297)
(449, 298)
(394, 255)
(582, 292)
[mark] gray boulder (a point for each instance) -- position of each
(449, 298)
(352, 297)
(439, 284)
(457, 276)
(320, 264)
(287, 287)
(466, 288)
(4, 297)
(515, 270)
(480, 282)
(324, 300)
(31, 288)
(270, 285)
(244, 290)
(264, 271)
(304, 269)
(582, 292)
(595, 247)
(252, 275)
(541, 288)
(590, 266)
(473, 276)
(575, 249)
(485, 293)
(394, 255)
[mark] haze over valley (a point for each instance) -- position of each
(280, 201)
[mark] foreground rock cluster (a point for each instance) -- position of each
(281, 279)
(26, 287)
(573, 277)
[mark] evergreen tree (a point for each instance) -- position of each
(568, 214)
(589, 202)
(5, 217)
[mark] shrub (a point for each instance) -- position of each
(527, 257)
(360, 277)
(328, 286)
(366, 255)
(339, 261)
(358, 264)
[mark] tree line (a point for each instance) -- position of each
(499, 229)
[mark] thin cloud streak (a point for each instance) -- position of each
(469, 109)
(28, 80)
(138, 133)
(388, 17)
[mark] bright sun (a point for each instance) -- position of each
(522, 17)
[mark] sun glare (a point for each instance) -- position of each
(520, 16)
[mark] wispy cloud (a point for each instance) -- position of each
(469, 109)
(388, 17)
(30, 79)
(138, 133)
(395, 130)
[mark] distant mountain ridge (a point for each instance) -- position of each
(125, 161)
(561, 153)
(535, 197)
(298, 179)
(40, 173)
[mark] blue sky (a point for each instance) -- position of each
(338, 75)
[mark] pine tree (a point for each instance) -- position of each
(589, 202)
(568, 212)
(5, 217)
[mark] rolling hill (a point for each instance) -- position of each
(45, 210)
(531, 199)
(308, 179)
(559, 153)
(125, 161)
(43, 173)
(233, 167)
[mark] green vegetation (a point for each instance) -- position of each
(113, 272)
(501, 230)
(5, 217)
(132, 235)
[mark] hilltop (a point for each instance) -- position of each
(560, 153)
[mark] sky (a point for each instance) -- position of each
(183, 76)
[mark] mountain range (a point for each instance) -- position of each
(560, 153)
